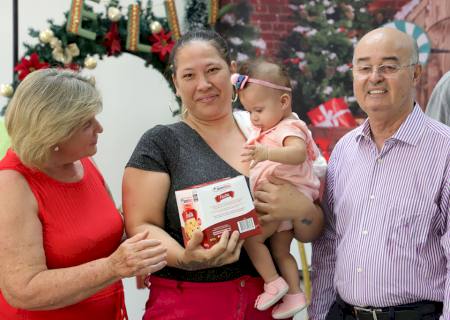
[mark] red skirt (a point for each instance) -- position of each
(228, 300)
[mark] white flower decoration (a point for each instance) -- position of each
(241, 57)
(311, 33)
(229, 18)
(328, 90)
(343, 68)
(259, 43)
(236, 41)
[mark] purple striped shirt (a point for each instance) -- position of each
(387, 240)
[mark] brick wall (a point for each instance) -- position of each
(393, 4)
(273, 18)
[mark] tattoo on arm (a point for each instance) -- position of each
(308, 222)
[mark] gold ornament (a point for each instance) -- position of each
(114, 14)
(6, 90)
(73, 49)
(55, 43)
(46, 35)
(58, 55)
(90, 63)
(66, 55)
(155, 27)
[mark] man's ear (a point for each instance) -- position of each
(417, 73)
(233, 66)
(285, 100)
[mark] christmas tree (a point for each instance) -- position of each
(318, 52)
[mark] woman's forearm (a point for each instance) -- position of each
(174, 249)
(53, 289)
(32, 286)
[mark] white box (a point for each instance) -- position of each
(217, 206)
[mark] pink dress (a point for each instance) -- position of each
(302, 175)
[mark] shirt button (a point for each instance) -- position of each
(359, 270)
(379, 160)
(372, 197)
(365, 232)
(243, 283)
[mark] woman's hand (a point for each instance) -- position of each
(226, 251)
(138, 256)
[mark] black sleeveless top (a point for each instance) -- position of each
(181, 152)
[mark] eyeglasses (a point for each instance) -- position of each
(386, 70)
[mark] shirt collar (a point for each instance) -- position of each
(409, 131)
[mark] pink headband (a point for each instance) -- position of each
(239, 81)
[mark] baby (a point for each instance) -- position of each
(280, 145)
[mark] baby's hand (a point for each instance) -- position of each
(255, 153)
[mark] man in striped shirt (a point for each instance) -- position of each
(386, 248)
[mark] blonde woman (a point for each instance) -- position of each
(60, 250)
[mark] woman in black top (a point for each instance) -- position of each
(220, 282)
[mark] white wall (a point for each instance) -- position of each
(135, 99)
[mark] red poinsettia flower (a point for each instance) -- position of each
(162, 44)
(112, 40)
(26, 66)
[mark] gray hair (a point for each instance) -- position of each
(414, 53)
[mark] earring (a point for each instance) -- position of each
(234, 96)
(56, 149)
(184, 111)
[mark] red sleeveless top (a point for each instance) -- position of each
(80, 223)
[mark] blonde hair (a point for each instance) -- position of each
(47, 107)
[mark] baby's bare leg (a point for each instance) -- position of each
(259, 253)
(281, 244)
(305, 230)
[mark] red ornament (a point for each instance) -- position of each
(26, 66)
(112, 40)
(292, 60)
(352, 33)
(162, 44)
